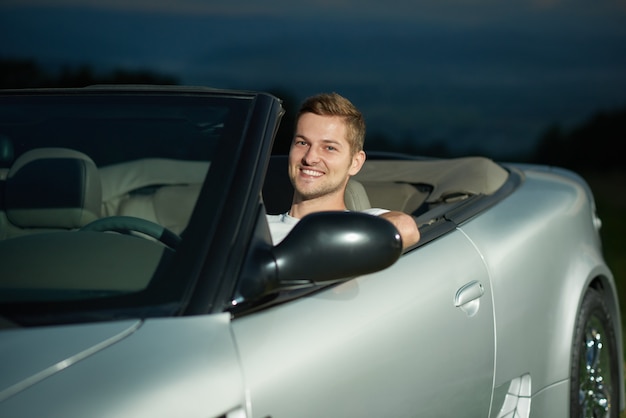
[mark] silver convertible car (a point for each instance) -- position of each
(138, 277)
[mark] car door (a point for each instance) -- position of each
(392, 343)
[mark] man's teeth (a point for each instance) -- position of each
(312, 173)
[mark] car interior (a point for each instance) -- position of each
(61, 190)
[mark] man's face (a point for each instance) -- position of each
(320, 158)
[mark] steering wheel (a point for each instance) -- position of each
(128, 224)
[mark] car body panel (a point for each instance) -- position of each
(190, 370)
(533, 284)
(63, 347)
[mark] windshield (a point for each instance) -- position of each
(96, 192)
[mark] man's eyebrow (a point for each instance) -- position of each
(332, 141)
(325, 141)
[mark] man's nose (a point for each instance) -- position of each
(311, 156)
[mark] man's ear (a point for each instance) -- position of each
(357, 162)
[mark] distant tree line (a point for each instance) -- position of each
(592, 145)
(23, 73)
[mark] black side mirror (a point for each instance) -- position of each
(322, 248)
(330, 246)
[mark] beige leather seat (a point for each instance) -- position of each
(160, 190)
(168, 206)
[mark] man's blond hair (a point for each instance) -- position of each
(333, 104)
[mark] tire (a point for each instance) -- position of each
(594, 386)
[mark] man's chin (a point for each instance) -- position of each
(311, 194)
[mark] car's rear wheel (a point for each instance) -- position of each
(594, 375)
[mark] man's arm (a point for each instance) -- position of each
(406, 225)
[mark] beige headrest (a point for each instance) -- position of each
(53, 188)
(355, 196)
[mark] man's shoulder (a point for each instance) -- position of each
(274, 218)
(375, 211)
(282, 218)
(280, 225)
(285, 218)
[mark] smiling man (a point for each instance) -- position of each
(327, 149)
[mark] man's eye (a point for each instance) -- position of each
(331, 148)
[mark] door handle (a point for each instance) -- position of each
(468, 297)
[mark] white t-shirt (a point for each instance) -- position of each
(280, 225)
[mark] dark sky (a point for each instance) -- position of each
(475, 73)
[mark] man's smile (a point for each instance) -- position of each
(312, 173)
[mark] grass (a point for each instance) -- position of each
(610, 193)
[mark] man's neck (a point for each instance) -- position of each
(301, 208)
